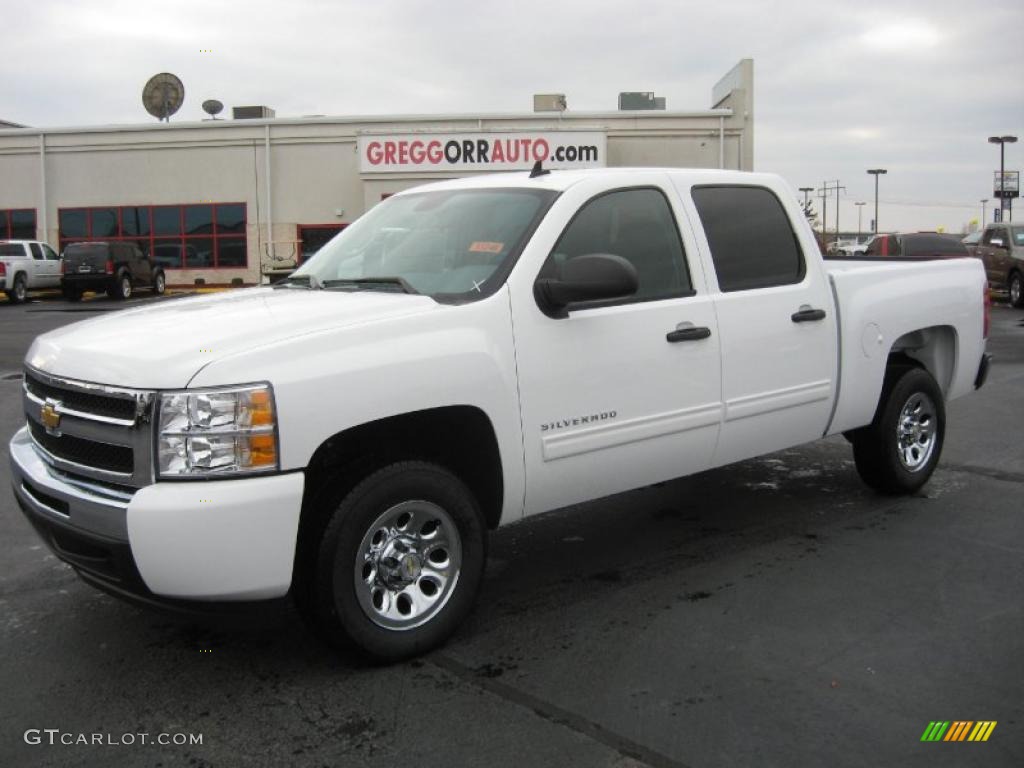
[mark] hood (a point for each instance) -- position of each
(164, 345)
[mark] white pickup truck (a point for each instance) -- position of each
(27, 265)
(467, 354)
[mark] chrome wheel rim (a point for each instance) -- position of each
(126, 287)
(19, 290)
(1015, 287)
(408, 565)
(160, 284)
(915, 432)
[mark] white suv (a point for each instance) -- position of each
(27, 265)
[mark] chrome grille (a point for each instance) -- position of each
(103, 434)
(83, 401)
(89, 453)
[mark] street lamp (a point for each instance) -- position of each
(807, 191)
(860, 210)
(1002, 141)
(983, 201)
(876, 172)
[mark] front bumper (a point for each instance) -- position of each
(170, 542)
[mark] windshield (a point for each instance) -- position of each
(457, 244)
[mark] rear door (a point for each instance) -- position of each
(36, 267)
(774, 310)
(48, 267)
(142, 269)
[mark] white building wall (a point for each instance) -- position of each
(315, 167)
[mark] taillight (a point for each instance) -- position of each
(3, 269)
(63, 267)
(110, 266)
(988, 311)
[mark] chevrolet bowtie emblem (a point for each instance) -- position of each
(50, 416)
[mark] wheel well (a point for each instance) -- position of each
(459, 438)
(934, 349)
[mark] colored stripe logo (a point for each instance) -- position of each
(958, 730)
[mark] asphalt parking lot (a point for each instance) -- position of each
(773, 613)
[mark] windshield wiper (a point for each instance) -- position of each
(308, 280)
(370, 282)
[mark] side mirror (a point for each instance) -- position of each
(591, 277)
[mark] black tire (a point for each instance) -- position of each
(121, 289)
(19, 289)
(897, 460)
(326, 586)
(1015, 288)
(159, 284)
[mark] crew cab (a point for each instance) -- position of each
(27, 265)
(465, 355)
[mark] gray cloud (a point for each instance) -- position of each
(915, 87)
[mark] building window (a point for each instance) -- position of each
(188, 236)
(313, 237)
(18, 224)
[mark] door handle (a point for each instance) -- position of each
(807, 315)
(687, 334)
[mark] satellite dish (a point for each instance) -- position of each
(212, 107)
(163, 95)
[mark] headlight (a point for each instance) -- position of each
(217, 432)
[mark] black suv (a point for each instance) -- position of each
(114, 267)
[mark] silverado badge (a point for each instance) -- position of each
(50, 416)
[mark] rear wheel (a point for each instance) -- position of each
(398, 564)
(19, 290)
(900, 449)
(159, 284)
(1016, 290)
(122, 287)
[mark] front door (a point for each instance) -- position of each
(778, 334)
(619, 394)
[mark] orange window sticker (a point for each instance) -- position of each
(482, 246)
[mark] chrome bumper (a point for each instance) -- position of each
(69, 502)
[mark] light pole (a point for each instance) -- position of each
(860, 210)
(807, 192)
(984, 200)
(1002, 141)
(876, 172)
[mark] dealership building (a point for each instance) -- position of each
(223, 201)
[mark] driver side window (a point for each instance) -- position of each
(636, 224)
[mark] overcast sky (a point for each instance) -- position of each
(840, 86)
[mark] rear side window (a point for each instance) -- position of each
(636, 224)
(752, 241)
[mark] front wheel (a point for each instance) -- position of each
(900, 449)
(1016, 289)
(398, 564)
(159, 284)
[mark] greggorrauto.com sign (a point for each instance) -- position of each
(446, 152)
